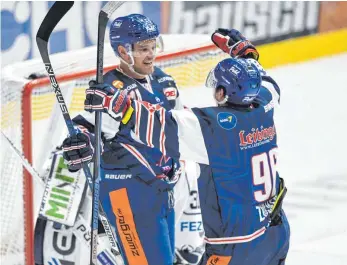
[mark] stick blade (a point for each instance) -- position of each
(54, 15)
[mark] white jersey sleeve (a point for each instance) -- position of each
(191, 141)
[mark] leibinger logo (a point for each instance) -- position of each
(226, 120)
(256, 137)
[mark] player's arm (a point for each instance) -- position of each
(235, 44)
(176, 133)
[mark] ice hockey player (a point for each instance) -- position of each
(135, 197)
(241, 198)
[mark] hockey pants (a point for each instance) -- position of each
(143, 217)
(268, 249)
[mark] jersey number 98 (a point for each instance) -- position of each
(264, 173)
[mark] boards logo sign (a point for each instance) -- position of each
(226, 120)
(261, 21)
(63, 193)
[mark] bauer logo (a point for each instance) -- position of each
(118, 176)
(226, 120)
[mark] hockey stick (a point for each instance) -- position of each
(54, 15)
(24, 161)
(104, 15)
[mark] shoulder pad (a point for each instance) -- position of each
(113, 78)
(161, 76)
(119, 81)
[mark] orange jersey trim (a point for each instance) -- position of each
(218, 260)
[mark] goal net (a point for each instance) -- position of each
(32, 121)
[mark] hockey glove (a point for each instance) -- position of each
(78, 150)
(234, 43)
(171, 172)
(102, 97)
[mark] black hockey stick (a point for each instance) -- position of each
(104, 15)
(54, 15)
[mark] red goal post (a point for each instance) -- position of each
(28, 115)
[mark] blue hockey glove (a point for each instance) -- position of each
(234, 43)
(102, 97)
(78, 150)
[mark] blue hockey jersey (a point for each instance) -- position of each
(238, 145)
(157, 88)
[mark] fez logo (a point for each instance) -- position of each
(256, 137)
(226, 120)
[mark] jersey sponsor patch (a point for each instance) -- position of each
(165, 78)
(170, 93)
(118, 176)
(117, 84)
(226, 120)
(256, 137)
(191, 226)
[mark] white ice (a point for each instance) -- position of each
(311, 126)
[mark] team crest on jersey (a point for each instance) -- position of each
(117, 84)
(226, 120)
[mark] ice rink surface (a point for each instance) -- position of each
(311, 126)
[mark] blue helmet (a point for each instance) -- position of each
(240, 79)
(130, 29)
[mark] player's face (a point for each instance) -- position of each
(144, 54)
